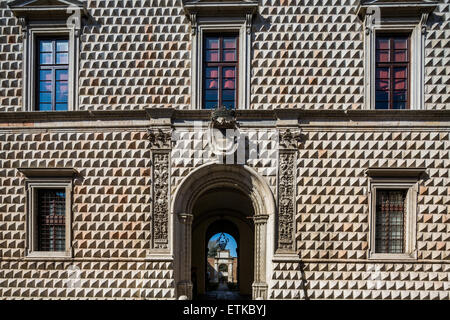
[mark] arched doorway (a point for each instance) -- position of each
(214, 192)
(229, 211)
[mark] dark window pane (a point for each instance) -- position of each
(228, 84)
(45, 107)
(61, 91)
(212, 55)
(399, 95)
(382, 73)
(383, 56)
(212, 84)
(399, 105)
(45, 86)
(381, 84)
(211, 95)
(45, 97)
(400, 43)
(62, 74)
(45, 75)
(62, 45)
(229, 55)
(46, 58)
(228, 72)
(228, 94)
(62, 58)
(210, 104)
(212, 43)
(45, 46)
(382, 43)
(229, 104)
(400, 55)
(400, 73)
(382, 105)
(61, 106)
(400, 84)
(229, 43)
(382, 95)
(212, 72)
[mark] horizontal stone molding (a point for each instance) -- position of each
(152, 115)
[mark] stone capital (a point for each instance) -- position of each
(186, 218)
(261, 218)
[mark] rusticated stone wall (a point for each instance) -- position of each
(306, 54)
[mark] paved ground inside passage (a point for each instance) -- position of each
(223, 293)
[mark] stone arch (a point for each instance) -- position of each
(209, 177)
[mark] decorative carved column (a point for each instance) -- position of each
(288, 146)
(259, 285)
(160, 144)
(184, 286)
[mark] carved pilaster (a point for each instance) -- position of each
(160, 145)
(288, 144)
(159, 138)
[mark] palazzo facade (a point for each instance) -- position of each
(316, 133)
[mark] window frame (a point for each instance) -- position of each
(221, 25)
(33, 33)
(52, 67)
(391, 65)
(32, 188)
(409, 237)
(417, 60)
(220, 65)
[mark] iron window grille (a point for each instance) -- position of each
(390, 221)
(51, 219)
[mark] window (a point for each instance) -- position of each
(48, 212)
(53, 74)
(221, 52)
(51, 219)
(395, 34)
(393, 207)
(392, 72)
(390, 221)
(220, 71)
(51, 41)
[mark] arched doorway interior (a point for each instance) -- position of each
(215, 180)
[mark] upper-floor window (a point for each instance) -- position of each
(392, 58)
(220, 71)
(53, 74)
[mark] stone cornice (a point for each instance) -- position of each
(158, 115)
(48, 172)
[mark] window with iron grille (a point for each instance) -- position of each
(51, 220)
(392, 71)
(390, 221)
(220, 71)
(52, 74)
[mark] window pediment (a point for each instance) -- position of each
(45, 9)
(214, 7)
(395, 8)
